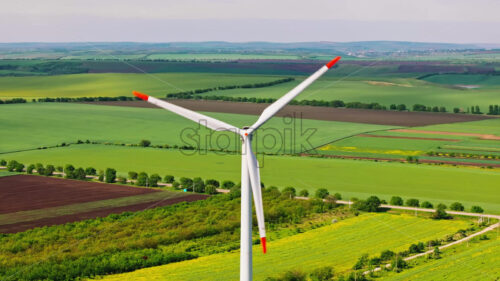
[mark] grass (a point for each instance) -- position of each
(54, 123)
(465, 79)
(118, 84)
(384, 90)
(471, 186)
(31, 215)
(338, 245)
(4, 173)
(490, 126)
(474, 261)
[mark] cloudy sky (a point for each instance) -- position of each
(457, 21)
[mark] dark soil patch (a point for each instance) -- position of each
(380, 117)
(25, 192)
(22, 226)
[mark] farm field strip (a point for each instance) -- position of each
(436, 184)
(480, 136)
(119, 84)
(337, 245)
(475, 262)
(37, 214)
(70, 122)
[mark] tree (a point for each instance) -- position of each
(412, 202)
(144, 143)
(90, 171)
(456, 110)
(19, 167)
(121, 180)
(441, 206)
(457, 206)
(80, 174)
(322, 193)
(362, 262)
(186, 183)
(322, 274)
(30, 169)
(176, 185)
(60, 169)
(476, 209)
(212, 182)
(101, 176)
(142, 179)
(289, 192)
(49, 170)
(169, 179)
(387, 255)
(11, 166)
(154, 179)
(436, 254)
(68, 170)
(396, 201)
(227, 184)
(392, 107)
(198, 185)
(110, 175)
(3, 162)
(210, 189)
(440, 213)
(304, 193)
(426, 204)
(132, 175)
(40, 169)
(401, 107)
(372, 204)
(337, 196)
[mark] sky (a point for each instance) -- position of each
(453, 21)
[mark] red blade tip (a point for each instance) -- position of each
(140, 95)
(332, 62)
(263, 242)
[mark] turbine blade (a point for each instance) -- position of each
(254, 173)
(204, 120)
(269, 112)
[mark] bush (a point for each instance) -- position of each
(3, 162)
(142, 179)
(372, 204)
(476, 209)
(212, 182)
(30, 169)
(337, 196)
(101, 176)
(210, 189)
(121, 180)
(289, 192)
(427, 205)
(441, 206)
(322, 274)
(110, 175)
(322, 193)
(169, 179)
(19, 167)
(412, 202)
(456, 206)
(304, 193)
(60, 169)
(144, 143)
(396, 201)
(132, 175)
(227, 184)
(68, 170)
(387, 255)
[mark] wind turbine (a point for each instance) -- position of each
(250, 175)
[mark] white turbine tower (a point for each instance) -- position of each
(249, 166)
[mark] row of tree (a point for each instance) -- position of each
(190, 94)
(14, 100)
(86, 99)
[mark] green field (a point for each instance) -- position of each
(475, 263)
(28, 126)
(491, 126)
(220, 57)
(4, 173)
(471, 186)
(465, 79)
(384, 90)
(119, 84)
(338, 245)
